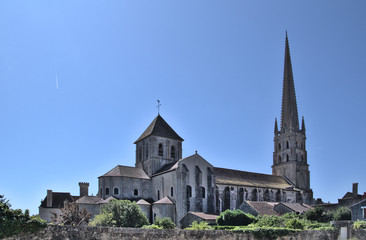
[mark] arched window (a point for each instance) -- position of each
(287, 158)
(115, 191)
(279, 159)
(158, 194)
(189, 191)
(203, 192)
(172, 152)
(107, 191)
(171, 191)
(279, 146)
(135, 192)
(287, 144)
(302, 158)
(160, 149)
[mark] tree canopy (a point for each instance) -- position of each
(120, 213)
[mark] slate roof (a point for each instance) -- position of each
(264, 208)
(235, 177)
(58, 199)
(165, 200)
(125, 171)
(350, 195)
(167, 168)
(204, 216)
(89, 200)
(159, 127)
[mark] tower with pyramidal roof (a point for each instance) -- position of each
(157, 146)
(290, 156)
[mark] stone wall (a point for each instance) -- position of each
(54, 232)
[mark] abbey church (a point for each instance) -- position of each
(166, 184)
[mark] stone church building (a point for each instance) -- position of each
(165, 184)
(173, 185)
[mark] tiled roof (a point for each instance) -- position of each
(165, 200)
(124, 171)
(89, 200)
(297, 207)
(58, 199)
(101, 201)
(142, 202)
(235, 177)
(159, 127)
(264, 208)
(205, 216)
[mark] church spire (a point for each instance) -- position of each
(289, 116)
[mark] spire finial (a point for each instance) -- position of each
(276, 128)
(158, 107)
(303, 129)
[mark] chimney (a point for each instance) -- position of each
(355, 189)
(84, 189)
(49, 198)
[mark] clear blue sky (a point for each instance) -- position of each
(216, 66)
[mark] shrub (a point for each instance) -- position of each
(342, 213)
(314, 214)
(165, 223)
(13, 222)
(152, 226)
(120, 213)
(269, 221)
(202, 225)
(359, 224)
(235, 218)
(294, 223)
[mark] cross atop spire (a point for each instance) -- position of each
(289, 115)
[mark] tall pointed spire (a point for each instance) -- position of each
(289, 116)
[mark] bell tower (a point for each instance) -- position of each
(290, 156)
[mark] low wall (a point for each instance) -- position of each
(54, 232)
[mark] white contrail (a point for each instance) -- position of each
(56, 81)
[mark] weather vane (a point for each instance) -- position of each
(158, 107)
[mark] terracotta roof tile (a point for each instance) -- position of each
(264, 208)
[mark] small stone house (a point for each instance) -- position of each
(190, 217)
(358, 211)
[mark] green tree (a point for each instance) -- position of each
(342, 213)
(314, 214)
(120, 213)
(71, 215)
(13, 222)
